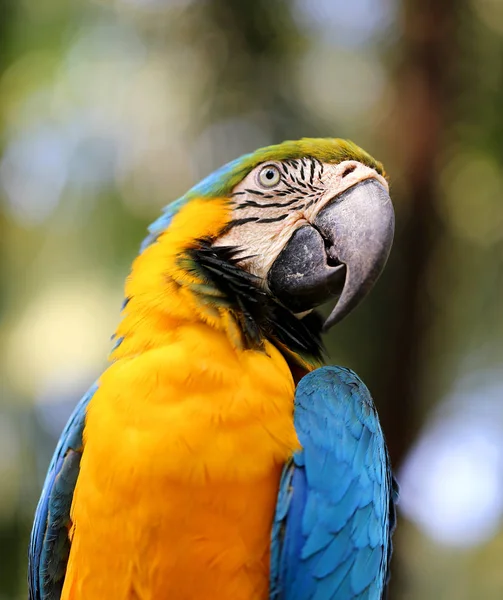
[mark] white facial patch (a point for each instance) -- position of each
(277, 198)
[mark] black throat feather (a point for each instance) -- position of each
(258, 315)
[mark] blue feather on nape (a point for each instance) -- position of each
(163, 222)
(331, 537)
(209, 187)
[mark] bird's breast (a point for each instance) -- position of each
(183, 450)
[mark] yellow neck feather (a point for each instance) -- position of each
(159, 293)
(158, 289)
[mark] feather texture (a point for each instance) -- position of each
(335, 513)
(259, 316)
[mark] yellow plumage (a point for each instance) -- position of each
(185, 440)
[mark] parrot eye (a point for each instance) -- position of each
(269, 176)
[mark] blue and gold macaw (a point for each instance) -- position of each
(216, 457)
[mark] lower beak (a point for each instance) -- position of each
(341, 254)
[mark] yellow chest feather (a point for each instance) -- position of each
(184, 446)
(184, 443)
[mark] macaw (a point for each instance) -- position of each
(215, 458)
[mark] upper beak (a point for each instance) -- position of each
(341, 254)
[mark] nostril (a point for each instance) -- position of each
(349, 169)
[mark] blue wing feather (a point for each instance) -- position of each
(49, 543)
(335, 517)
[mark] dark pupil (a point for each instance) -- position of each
(269, 174)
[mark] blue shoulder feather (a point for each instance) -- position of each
(335, 515)
(49, 543)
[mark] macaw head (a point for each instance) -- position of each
(258, 244)
(311, 220)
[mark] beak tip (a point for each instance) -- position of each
(337, 315)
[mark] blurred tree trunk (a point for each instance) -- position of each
(419, 124)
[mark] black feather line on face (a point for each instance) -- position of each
(273, 219)
(253, 204)
(258, 315)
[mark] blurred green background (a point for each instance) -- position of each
(111, 109)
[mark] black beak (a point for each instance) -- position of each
(340, 255)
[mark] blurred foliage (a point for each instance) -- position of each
(110, 109)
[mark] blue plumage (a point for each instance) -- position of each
(49, 543)
(335, 516)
